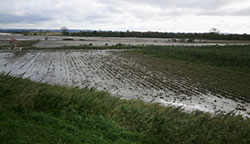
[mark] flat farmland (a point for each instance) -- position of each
(62, 41)
(122, 73)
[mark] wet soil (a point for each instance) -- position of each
(121, 74)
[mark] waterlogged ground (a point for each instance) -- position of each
(113, 72)
(59, 41)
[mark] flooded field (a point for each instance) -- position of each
(59, 41)
(111, 71)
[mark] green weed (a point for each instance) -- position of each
(33, 112)
(230, 57)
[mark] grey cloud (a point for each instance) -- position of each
(201, 4)
(180, 7)
(10, 18)
(125, 14)
(243, 12)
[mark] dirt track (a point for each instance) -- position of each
(110, 71)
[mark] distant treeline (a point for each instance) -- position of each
(209, 36)
(91, 33)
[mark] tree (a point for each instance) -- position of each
(65, 30)
(214, 30)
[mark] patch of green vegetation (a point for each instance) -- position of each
(23, 44)
(29, 43)
(89, 46)
(213, 35)
(68, 39)
(33, 112)
(227, 83)
(236, 58)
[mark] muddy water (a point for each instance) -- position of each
(107, 70)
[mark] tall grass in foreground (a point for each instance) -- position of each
(39, 113)
(231, 57)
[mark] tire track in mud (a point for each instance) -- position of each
(117, 74)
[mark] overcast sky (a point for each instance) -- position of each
(139, 15)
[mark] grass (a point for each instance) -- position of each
(28, 43)
(87, 47)
(236, 58)
(24, 44)
(28, 46)
(33, 112)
